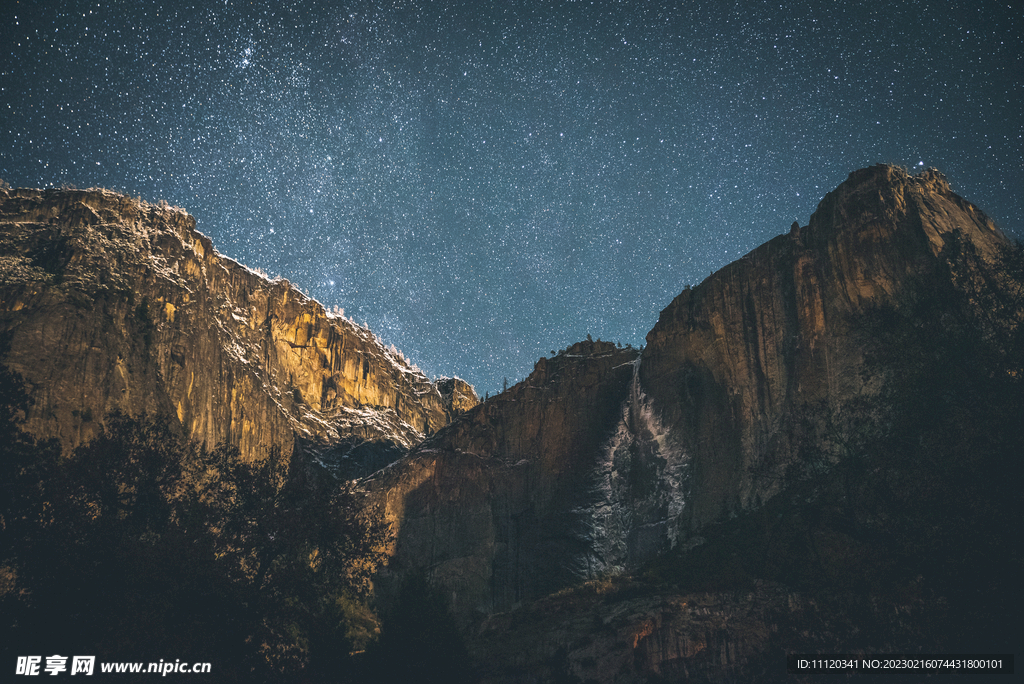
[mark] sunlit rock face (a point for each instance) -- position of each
(457, 395)
(110, 303)
(604, 458)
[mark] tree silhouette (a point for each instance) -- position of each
(142, 545)
(419, 640)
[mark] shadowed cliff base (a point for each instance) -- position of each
(144, 545)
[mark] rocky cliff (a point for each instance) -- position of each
(111, 303)
(733, 364)
(601, 633)
(510, 501)
(604, 458)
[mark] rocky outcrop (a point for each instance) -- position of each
(600, 633)
(110, 303)
(457, 395)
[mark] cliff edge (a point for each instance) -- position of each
(733, 365)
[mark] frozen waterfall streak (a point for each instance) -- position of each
(638, 490)
(659, 446)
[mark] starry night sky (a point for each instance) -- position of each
(483, 182)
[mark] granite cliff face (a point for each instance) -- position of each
(603, 458)
(110, 303)
(599, 633)
(732, 364)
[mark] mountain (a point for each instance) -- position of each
(604, 458)
(730, 364)
(110, 303)
(817, 449)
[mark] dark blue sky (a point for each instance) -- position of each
(484, 182)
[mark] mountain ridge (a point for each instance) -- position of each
(775, 326)
(112, 303)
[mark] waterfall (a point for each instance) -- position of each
(637, 492)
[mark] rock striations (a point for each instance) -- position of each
(514, 499)
(110, 303)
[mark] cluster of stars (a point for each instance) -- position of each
(481, 183)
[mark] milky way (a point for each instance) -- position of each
(484, 183)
